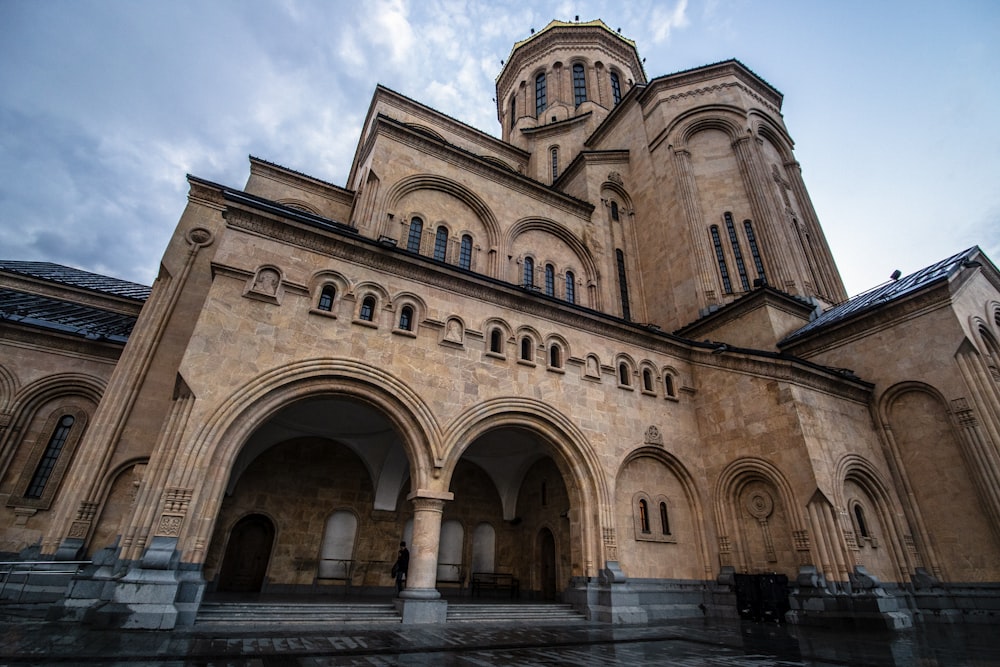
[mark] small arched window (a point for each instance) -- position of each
(579, 84)
(570, 287)
(859, 515)
(326, 297)
(550, 280)
(623, 375)
(647, 379)
(554, 154)
(526, 346)
(614, 211)
(406, 318)
(367, 312)
(440, 243)
(540, 95)
(616, 88)
(555, 356)
(49, 458)
(529, 272)
(668, 384)
(465, 252)
(664, 519)
(495, 341)
(416, 230)
(643, 515)
(513, 111)
(720, 257)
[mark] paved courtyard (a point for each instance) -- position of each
(25, 640)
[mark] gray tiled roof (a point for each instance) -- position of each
(64, 316)
(883, 294)
(77, 278)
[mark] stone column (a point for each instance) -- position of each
(420, 601)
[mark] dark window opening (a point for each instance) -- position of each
(579, 84)
(614, 211)
(529, 272)
(555, 163)
(570, 287)
(495, 341)
(550, 280)
(440, 244)
(647, 380)
(664, 520)
(727, 286)
(326, 297)
(737, 254)
(643, 515)
(513, 111)
(540, 95)
(859, 514)
(49, 458)
(406, 318)
(367, 309)
(416, 230)
(465, 252)
(668, 384)
(526, 349)
(555, 358)
(623, 375)
(623, 285)
(616, 88)
(758, 263)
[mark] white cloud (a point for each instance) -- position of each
(664, 21)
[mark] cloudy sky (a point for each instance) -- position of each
(106, 105)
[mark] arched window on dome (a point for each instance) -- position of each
(529, 272)
(579, 84)
(554, 154)
(416, 230)
(550, 280)
(367, 312)
(540, 95)
(513, 110)
(465, 252)
(727, 286)
(441, 243)
(616, 88)
(570, 287)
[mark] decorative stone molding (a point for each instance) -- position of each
(653, 436)
(175, 508)
(265, 285)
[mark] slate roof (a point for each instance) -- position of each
(77, 278)
(65, 316)
(883, 294)
(69, 317)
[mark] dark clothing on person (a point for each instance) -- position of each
(401, 566)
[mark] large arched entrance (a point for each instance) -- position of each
(329, 476)
(511, 493)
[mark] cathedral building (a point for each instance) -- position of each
(606, 358)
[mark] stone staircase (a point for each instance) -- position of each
(264, 614)
(521, 613)
(280, 614)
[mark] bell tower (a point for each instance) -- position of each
(558, 85)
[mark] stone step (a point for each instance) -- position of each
(235, 613)
(513, 613)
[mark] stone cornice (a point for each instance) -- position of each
(299, 180)
(395, 262)
(479, 166)
(28, 337)
(586, 159)
(746, 80)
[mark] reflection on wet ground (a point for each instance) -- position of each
(25, 639)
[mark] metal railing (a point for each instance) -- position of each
(25, 570)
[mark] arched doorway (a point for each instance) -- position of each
(547, 564)
(247, 555)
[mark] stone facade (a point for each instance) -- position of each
(466, 348)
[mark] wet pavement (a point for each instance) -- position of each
(26, 640)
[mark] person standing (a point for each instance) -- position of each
(401, 566)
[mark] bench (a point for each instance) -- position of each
(495, 581)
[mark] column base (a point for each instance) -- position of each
(422, 610)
